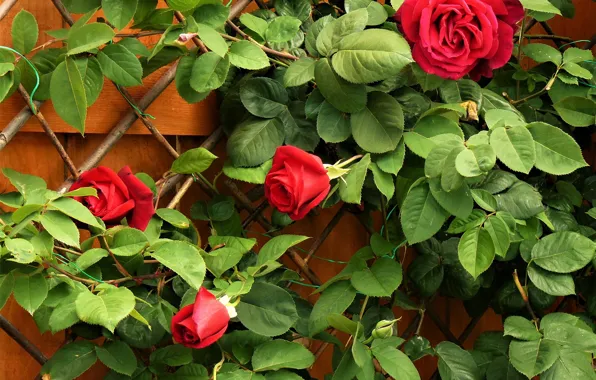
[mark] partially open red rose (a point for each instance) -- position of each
(118, 196)
(297, 182)
(202, 323)
(452, 38)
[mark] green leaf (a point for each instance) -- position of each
(514, 148)
(522, 201)
(212, 39)
(88, 37)
(22, 250)
(394, 362)
(264, 97)
(543, 53)
(300, 131)
(61, 227)
(555, 284)
(425, 135)
(577, 111)
(254, 23)
(577, 71)
(540, 6)
(117, 356)
(421, 216)
(427, 81)
(184, 259)
(459, 91)
(282, 29)
(276, 247)
(476, 251)
(455, 363)
(314, 31)
(334, 31)
(91, 257)
(92, 76)
(70, 361)
(380, 280)
(107, 308)
(392, 162)
(172, 356)
(334, 300)
(67, 91)
(383, 181)
(426, 272)
(277, 354)
(371, 55)
(458, 202)
(247, 55)
(75, 210)
(30, 291)
(379, 126)
(134, 46)
(333, 125)
(501, 369)
(183, 75)
(254, 141)
(533, 357)
(195, 160)
(183, 5)
(298, 8)
(350, 188)
(120, 65)
(521, 328)
(190, 372)
(570, 364)
(499, 234)
(300, 72)
(128, 242)
(267, 310)
(563, 252)
(435, 160)
(484, 199)
(222, 259)
(24, 32)
(346, 97)
(6, 286)
(254, 175)
(209, 72)
(576, 55)
(119, 12)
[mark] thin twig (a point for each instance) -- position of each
(180, 193)
(5, 7)
(264, 48)
(524, 296)
(547, 37)
(53, 138)
(16, 124)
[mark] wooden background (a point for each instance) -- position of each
(31, 152)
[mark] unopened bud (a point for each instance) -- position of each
(383, 329)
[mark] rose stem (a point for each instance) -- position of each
(103, 241)
(524, 296)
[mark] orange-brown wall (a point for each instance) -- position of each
(31, 152)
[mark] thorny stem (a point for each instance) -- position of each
(421, 311)
(264, 48)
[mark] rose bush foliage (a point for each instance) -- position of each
(483, 179)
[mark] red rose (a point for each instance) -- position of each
(118, 196)
(201, 324)
(452, 38)
(297, 182)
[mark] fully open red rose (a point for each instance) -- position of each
(297, 182)
(451, 38)
(201, 324)
(118, 196)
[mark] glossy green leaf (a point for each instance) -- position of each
(68, 94)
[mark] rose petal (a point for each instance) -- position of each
(143, 199)
(209, 315)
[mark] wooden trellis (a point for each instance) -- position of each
(244, 201)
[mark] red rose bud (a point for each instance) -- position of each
(201, 324)
(454, 38)
(297, 182)
(118, 196)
